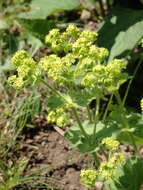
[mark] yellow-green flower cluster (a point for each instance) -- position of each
(107, 169)
(110, 143)
(59, 117)
(27, 70)
(55, 66)
(108, 77)
(16, 82)
(79, 59)
(88, 177)
(62, 42)
(141, 105)
(81, 47)
(105, 172)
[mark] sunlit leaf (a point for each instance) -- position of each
(121, 31)
(43, 8)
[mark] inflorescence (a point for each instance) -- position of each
(107, 168)
(75, 62)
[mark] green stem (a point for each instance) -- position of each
(105, 154)
(73, 110)
(130, 82)
(97, 109)
(96, 158)
(51, 88)
(80, 124)
(96, 117)
(85, 134)
(89, 114)
(107, 108)
(125, 120)
(133, 142)
(117, 95)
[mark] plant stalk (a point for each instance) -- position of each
(96, 158)
(130, 82)
(89, 114)
(73, 110)
(51, 88)
(79, 123)
(107, 108)
(125, 120)
(96, 117)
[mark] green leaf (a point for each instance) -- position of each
(77, 139)
(130, 176)
(121, 31)
(135, 125)
(84, 96)
(43, 8)
(109, 129)
(55, 102)
(33, 27)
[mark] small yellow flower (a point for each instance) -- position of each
(16, 82)
(88, 177)
(117, 158)
(110, 143)
(18, 58)
(72, 30)
(59, 117)
(106, 170)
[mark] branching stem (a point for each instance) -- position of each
(130, 82)
(96, 117)
(117, 95)
(107, 108)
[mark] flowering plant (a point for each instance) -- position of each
(82, 76)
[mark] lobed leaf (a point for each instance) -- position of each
(121, 31)
(43, 8)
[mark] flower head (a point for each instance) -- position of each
(16, 82)
(106, 171)
(27, 70)
(88, 177)
(19, 57)
(107, 168)
(59, 117)
(110, 143)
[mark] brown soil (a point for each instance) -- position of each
(49, 148)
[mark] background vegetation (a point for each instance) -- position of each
(23, 25)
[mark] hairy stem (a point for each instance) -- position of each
(89, 113)
(51, 88)
(130, 82)
(117, 95)
(76, 117)
(107, 108)
(96, 117)
(80, 124)
(96, 159)
(103, 151)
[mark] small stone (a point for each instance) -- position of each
(85, 15)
